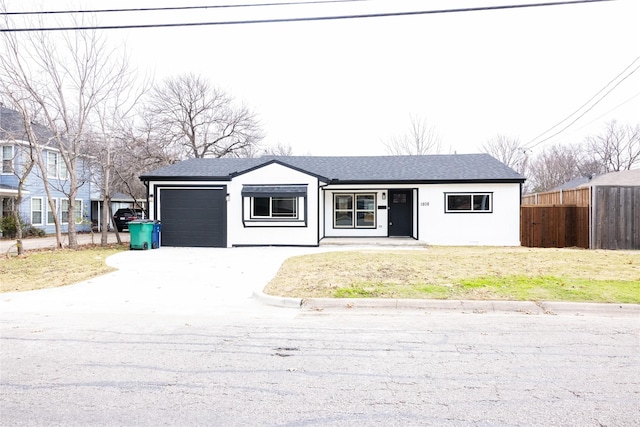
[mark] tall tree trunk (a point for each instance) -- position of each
(16, 219)
(115, 229)
(104, 236)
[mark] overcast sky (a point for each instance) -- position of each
(342, 87)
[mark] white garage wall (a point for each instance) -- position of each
(272, 234)
(499, 228)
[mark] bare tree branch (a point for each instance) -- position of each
(201, 120)
(617, 147)
(419, 140)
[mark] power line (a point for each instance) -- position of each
(304, 19)
(529, 147)
(173, 8)
(609, 111)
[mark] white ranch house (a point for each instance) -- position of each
(460, 199)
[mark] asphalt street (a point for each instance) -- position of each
(177, 337)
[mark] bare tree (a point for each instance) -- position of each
(113, 117)
(139, 150)
(200, 119)
(279, 150)
(66, 77)
(21, 166)
(508, 150)
(419, 140)
(554, 166)
(617, 147)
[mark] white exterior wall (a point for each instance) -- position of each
(499, 228)
(272, 232)
(431, 224)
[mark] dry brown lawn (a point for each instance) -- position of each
(441, 272)
(53, 268)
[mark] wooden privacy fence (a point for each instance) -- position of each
(554, 226)
(574, 197)
(616, 217)
(556, 219)
(600, 217)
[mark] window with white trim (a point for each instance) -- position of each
(274, 207)
(7, 159)
(50, 211)
(64, 211)
(354, 210)
(77, 211)
(469, 202)
(64, 172)
(36, 211)
(52, 164)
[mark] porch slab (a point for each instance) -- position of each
(371, 241)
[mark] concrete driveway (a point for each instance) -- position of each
(193, 281)
(225, 281)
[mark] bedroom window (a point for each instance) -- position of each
(50, 211)
(7, 159)
(36, 211)
(354, 210)
(468, 202)
(52, 164)
(274, 207)
(77, 213)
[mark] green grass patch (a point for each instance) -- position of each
(513, 288)
(550, 288)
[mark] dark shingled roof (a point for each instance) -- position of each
(359, 169)
(12, 127)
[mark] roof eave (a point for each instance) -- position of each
(147, 178)
(430, 181)
(281, 163)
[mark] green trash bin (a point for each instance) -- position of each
(140, 232)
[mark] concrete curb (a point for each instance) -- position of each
(461, 306)
(277, 301)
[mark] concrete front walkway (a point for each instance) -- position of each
(372, 241)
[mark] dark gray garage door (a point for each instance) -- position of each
(194, 217)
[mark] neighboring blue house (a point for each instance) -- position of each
(34, 208)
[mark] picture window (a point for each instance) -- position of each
(468, 202)
(354, 210)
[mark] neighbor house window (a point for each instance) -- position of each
(77, 211)
(52, 164)
(7, 159)
(354, 210)
(50, 211)
(469, 202)
(274, 207)
(36, 211)
(64, 172)
(64, 211)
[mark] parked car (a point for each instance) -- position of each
(122, 217)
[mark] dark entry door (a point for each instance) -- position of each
(400, 212)
(194, 217)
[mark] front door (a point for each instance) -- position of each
(401, 213)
